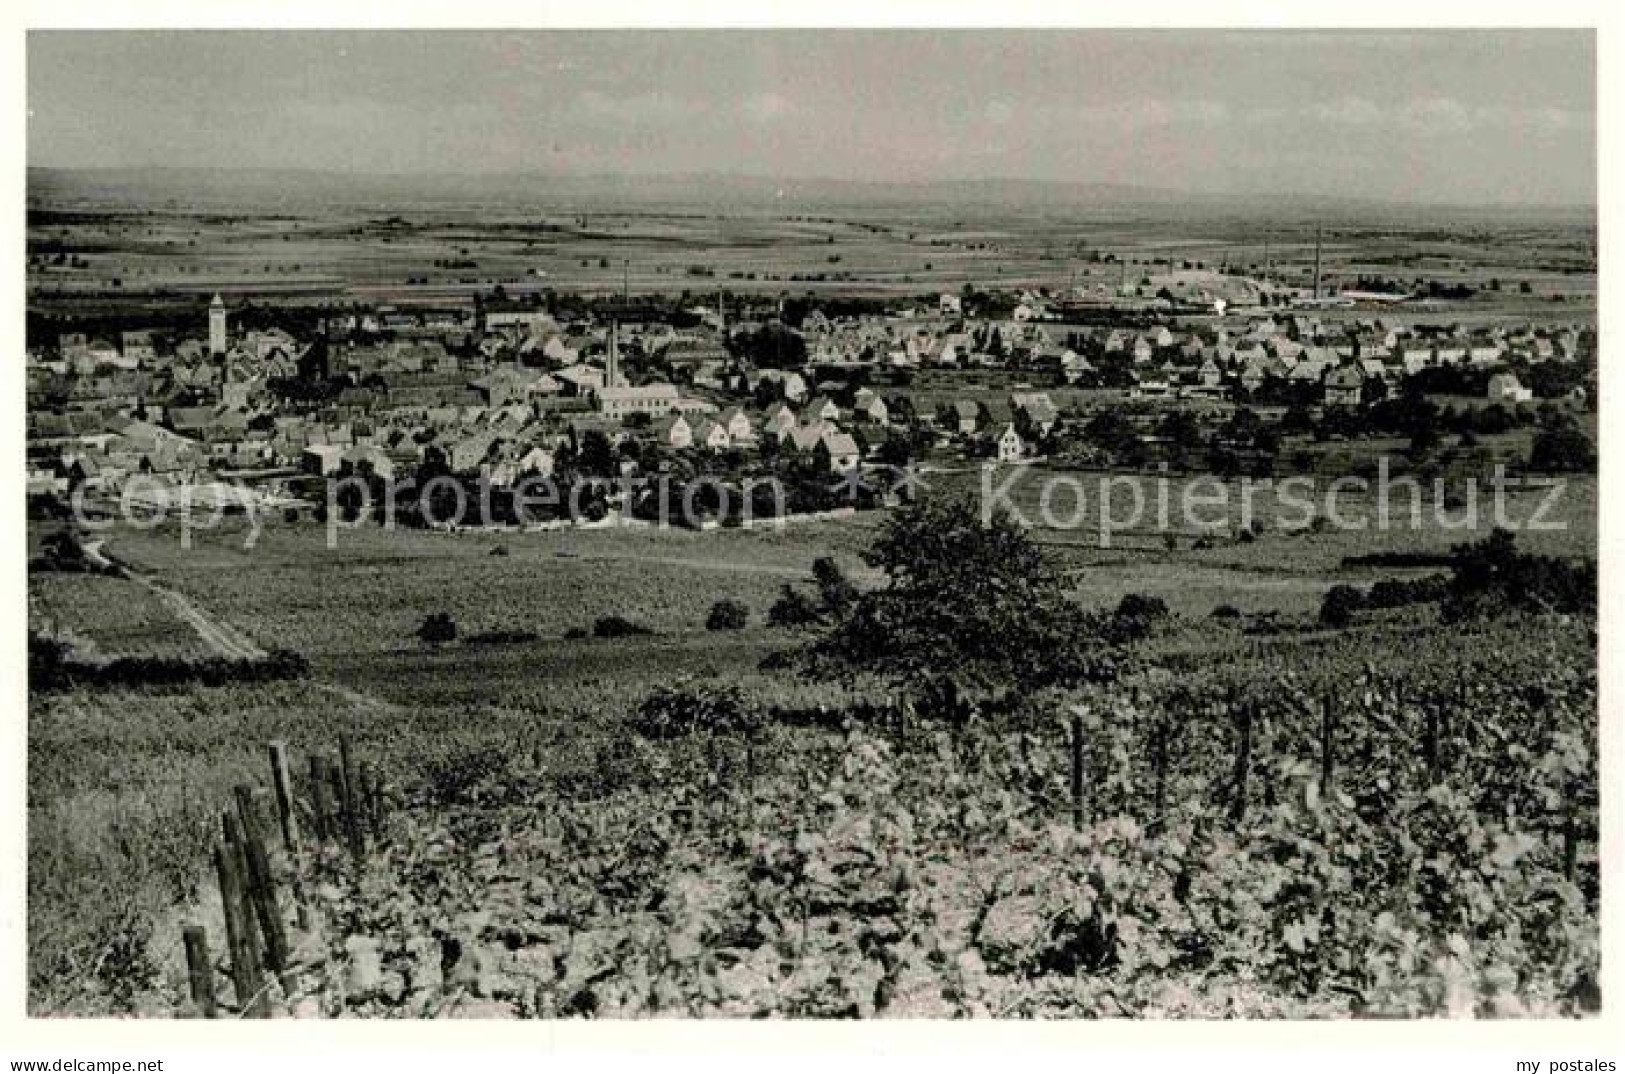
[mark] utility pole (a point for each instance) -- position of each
(626, 283)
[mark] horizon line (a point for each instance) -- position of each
(768, 179)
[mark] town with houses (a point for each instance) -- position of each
(502, 390)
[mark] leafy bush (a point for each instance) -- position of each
(1400, 592)
(1227, 611)
(48, 670)
(793, 609)
(1340, 604)
(1563, 449)
(1142, 606)
(1491, 577)
(438, 628)
(727, 615)
(502, 637)
(614, 626)
(687, 708)
(836, 593)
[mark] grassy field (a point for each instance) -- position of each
(321, 245)
(109, 617)
(370, 592)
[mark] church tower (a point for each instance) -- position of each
(217, 326)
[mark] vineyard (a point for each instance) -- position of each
(1403, 829)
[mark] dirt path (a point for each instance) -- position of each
(224, 640)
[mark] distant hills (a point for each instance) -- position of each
(270, 190)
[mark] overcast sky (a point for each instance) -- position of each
(1452, 116)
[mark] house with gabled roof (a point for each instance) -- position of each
(1506, 388)
(839, 450)
(1008, 446)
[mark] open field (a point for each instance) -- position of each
(129, 240)
(110, 617)
(370, 592)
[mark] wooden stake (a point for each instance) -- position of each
(1571, 834)
(199, 970)
(1430, 744)
(321, 798)
(1159, 760)
(245, 971)
(1077, 773)
(261, 884)
(1328, 744)
(282, 786)
(372, 800)
(352, 796)
(1244, 747)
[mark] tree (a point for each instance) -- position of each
(1562, 449)
(968, 601)
(596, 456)
(835, 591)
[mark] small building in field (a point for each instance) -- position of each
(1506, 388)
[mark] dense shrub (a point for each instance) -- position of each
(1563, 449)
(1491, 577)
(614, 626)
(1142, 606)
(793, 609)
(727, 615)
(836, 593)
(1400, 592)
(502, 637)
(687, 707)
(48, 670)
(438, 628)
(1340, 604)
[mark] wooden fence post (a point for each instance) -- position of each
(1571, 833)
(1328, 744)
(1077, 772)
(373, 803)
(750, 764)
(352, 796)
(1430, 744)
(245, 975)
(282, 785)
(321, 798)
(261, 884)
(199, 970)
(1244, 747)
(1159, 760)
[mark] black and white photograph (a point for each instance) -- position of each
(877, 523)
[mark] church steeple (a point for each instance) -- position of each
(217, 326)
